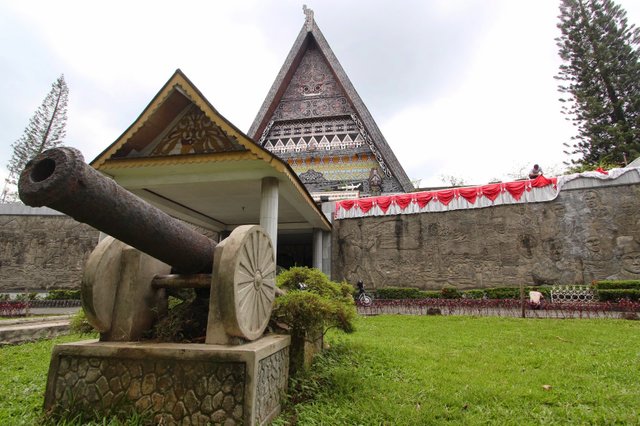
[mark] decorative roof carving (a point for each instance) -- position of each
(195, 133)
(312, 85)
(308, 17)
(311, 176)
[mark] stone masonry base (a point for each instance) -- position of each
(186, 384)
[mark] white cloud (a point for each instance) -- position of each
(458, 87)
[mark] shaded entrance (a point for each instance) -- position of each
(295, 249)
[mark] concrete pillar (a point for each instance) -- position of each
(269, 210)
(326, 253)
(317, 248)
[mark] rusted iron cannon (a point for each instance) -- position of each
(124, 280)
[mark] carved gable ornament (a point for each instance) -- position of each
(195, 133)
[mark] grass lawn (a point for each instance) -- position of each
(409, 370)
(23, 377)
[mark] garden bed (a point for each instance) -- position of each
(502, 308)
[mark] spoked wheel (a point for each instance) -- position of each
(365, 300)
(245, 271)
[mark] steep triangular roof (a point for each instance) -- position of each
(178, 104)
(310, 37)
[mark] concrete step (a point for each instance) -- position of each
(22, 330)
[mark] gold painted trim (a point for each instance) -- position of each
(106, 155)
(126, 163)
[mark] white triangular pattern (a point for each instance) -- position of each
(335, 142)
(324, 143)
(290, 145)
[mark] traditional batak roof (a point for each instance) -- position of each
(183, 156)
(313, 85)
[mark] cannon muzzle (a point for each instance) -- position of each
(59, 178)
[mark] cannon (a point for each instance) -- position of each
(125, 280)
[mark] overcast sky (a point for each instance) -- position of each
(460, 88)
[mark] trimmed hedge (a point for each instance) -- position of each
(619, 294)
(394, 293)
(616, 285)
(449, 292)
(474, 294)
(63, 295)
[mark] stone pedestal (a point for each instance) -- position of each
(176, 383)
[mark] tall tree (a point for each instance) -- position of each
(45, 130)
(600, 80)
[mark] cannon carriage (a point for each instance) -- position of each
(126, 277)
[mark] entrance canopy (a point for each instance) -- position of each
(184, 157)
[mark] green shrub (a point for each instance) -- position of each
(80, 325)
(473, 294)
(503, 293)
(617, 284)
(308, 313)
(450, 292)
(63, 295)
(27, 296)
(321, 305)
(617, 294)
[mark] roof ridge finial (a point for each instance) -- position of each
(308, 21)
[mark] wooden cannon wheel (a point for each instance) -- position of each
(245, 274)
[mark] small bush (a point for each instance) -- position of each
(619, 294)
(399, 293)
(617, 284)
(80, 325)
(308, 313)
(449, 292)
(321, 305)
(431, 294)
(27, 296)
(473, 294)
(63, 295)
(502, 293)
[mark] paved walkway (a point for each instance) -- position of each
(22, 330)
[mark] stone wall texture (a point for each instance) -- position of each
(191, 393)
(170, 383)
(40, 252)
(582, 235)
(46, 251)
(273, 372)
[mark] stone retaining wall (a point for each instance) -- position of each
(583, 235)
(43, 251)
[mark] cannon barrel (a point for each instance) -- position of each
(59, 178)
